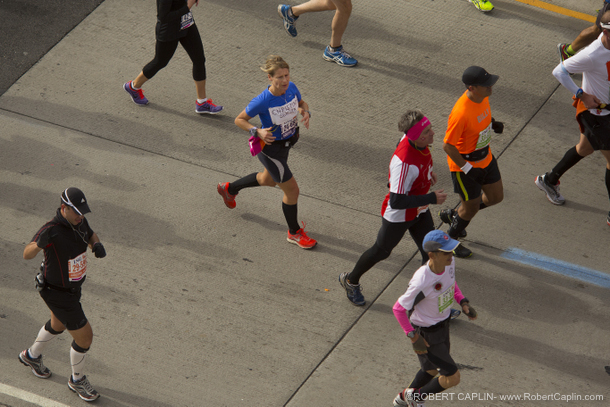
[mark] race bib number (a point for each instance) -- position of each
(285, 117)
(77, 267)
(484, 138)
(422, 209)
(445, 299)
(186, 21)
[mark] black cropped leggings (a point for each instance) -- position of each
(388, 238)
(164, 51)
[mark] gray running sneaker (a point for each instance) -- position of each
(38, 368)
(353, 292)
(83, 388)
(406, 400)
(551, 191)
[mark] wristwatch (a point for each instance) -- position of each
(253, 131)
(411, 334)
(579, 93)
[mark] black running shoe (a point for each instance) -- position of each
(447, 216)
(462, 252)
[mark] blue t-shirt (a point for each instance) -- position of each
(279, 112)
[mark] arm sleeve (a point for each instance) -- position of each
(458, 296)
(563, 76)
(254, 107)
(164, 13)
(402, 201)
(403, 319)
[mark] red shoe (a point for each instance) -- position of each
(301, 239)
(223, 190)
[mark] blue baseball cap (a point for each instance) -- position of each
(437, 240)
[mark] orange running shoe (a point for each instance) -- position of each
(223, 190)
(301, 239)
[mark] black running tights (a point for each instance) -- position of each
(164, 51)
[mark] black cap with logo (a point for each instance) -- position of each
(74, 198)
(477, 76)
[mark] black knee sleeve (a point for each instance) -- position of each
(49, 329)
(78, 348)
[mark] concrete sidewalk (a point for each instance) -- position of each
(199, 305)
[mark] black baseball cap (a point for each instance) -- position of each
(477, 76)
(75, 199)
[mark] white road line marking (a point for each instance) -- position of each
(29, 397)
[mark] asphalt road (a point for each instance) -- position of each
(199, 305)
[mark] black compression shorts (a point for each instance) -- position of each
(275, 159)
(66, 307)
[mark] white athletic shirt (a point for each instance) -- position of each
(438, 289)
(594, 64)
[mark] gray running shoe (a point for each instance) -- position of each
(353, 291)
(84, 389)
(551, 191)
(406, 400)
(36, 365)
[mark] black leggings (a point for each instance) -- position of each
(164, 51)
(388, 238)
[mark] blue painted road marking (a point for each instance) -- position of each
(557, 266)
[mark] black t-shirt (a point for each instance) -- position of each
(172, 18)
(65, 257)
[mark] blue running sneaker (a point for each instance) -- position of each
(136, 95)
(284, 11)
(340, 57)
(353, 292)
(455, 313)
(207, 107)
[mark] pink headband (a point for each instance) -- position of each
(415, 131)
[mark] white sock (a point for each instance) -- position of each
(133, 87)
(200, 101)
(77, 360)
(43, 338)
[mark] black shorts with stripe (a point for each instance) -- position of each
(469, 188)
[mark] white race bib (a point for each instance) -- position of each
(484, 138)
(186, 21)
(77, 267)
(286, 117)
(445, 299)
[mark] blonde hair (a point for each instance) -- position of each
(273, 63)
(409, 119)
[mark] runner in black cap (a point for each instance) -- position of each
(474, 170)
(64, 241)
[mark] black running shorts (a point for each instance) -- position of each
(275, 159)
(597, 129)
(469, 188)
(438, 353)
(66, 307)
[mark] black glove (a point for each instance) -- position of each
(476, 174)
(99, 250)
(497, 127)
(46, 237)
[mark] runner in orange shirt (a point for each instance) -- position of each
(474, 169)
